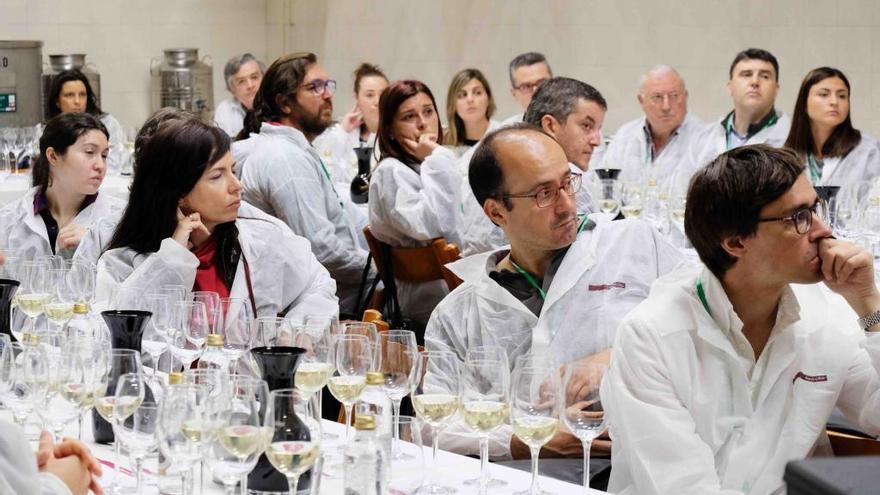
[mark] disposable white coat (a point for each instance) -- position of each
(692, 412)
(336, 148)
(283, 176)
(18, 466)
(229, 116)
(20, 228)
(409, 208)
(861, 164)
(285, 276)
(606, 272)
(630, 152)
(117, 155)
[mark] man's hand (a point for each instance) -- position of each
(849, 271)
(71, 462)
(582, 381)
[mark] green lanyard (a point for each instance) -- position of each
(528, 276)
(815, 170)
(329, 179)
(701, 293)
(728, 126)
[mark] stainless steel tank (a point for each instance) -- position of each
(21, 63)
(61, 62)
(185, 82)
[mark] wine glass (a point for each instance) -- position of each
(128, 397)
(436, 400)
(93, 352)
(318, 364)
(582, 413)
(237, 328)
(81, 279)
(632, 200)
(129, 298)
(250, 387)
(398, 353)
(59, 305)
(609, 200)
(138, 434)
(179, 429)
(20, 380)
(154, 340)
(188, 332)
(121, 362)
(295, 444)
(408, 469)
(353, 357)
(33, 293)
(272, 331)
(366, 329)
(536, 395)
(233, 452)
(485, 402)
(177, 293)
(71, 380)
(213, 310)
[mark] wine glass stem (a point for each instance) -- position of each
(292, 482)
(186, 479)
(243, 484)
(138, 472)
(349, 410)
(435, 443)
(484, 464)
(587, 444)
(117, 459)
(535, 451)
(79, 435)
(395, 412)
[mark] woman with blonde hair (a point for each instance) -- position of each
(469, 109)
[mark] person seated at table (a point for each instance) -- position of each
(243, 74)
(823, 136)
(731, 368)
(561, 287)
(469, 110)
(356, 129)
(52, 217)
(415, 190)
(71, 92)
(527, 72)
(653, 146)
(182, 227)
(283, 175)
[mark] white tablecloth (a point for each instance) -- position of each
(454, 470)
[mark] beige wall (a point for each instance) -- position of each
(607, 43)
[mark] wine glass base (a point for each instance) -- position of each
(435, 490)
(493, 482)
(401, 456)
(529, 492)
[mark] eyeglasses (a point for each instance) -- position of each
(530, 87)
(318, 86)
(657, 98)
(803, 219)
(546, 196)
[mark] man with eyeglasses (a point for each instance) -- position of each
(652, 146)
(731, 368)
(527, 71)
(561, 287)
(243, 74)
(283, 175)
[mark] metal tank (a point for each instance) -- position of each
(185, 82)
(21, 63)
(61, 62)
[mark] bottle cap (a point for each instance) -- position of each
(381, 325)
(372, 315)
(375, 378)
(80, 309)
(215, 340)
(365, 422)
(175, 378)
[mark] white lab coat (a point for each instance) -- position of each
(513, 119)
(409, 207)
(286, 277)
(282, 175)
(629, 150)
(18, 466)
(606, 272)
(20, 228)
(690, 410)
(712, 141)
(336, 148)
(118, 154)
(860, 164)
(229, 116)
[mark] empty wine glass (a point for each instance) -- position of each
(155, 338)
(237, 328)
(20, 380)
(189, 330)
(179, 430)
(408, 469)
(213, 309)
(582, 411)
(398, 353)
(436, 400)
(272, 331)
(138, 434)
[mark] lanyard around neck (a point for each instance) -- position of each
(529, 278)
(815, 170)
(728, 127)
(701, 293)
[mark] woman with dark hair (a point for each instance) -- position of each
(469, 109)
(416, 190)
(822, 134)
(182, 227)
(357, 128)
(54, 215)
(71, 92)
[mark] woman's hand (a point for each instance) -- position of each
(420, 146)
(352, 119)
(190, 230)
(70, 235)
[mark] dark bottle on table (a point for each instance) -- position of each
(8, 288)
(360, 185)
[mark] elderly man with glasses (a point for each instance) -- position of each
(731, 368)
(560, 288)
(652, 146)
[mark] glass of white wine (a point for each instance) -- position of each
(239, 440)
(485, 404)
(536, 396)
(353, 356)
(583, 414)
(121, 363)
(436, 400)
(33, 293)
(632, 200)
(609, 201)
(318, 364)
(294, 448)
(59, 306)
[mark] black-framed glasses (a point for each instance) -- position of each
(546, 196)
(803, 218)
(318, 86)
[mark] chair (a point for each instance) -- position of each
(844, 444)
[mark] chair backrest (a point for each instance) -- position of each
(848, 445)
(422, 264)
